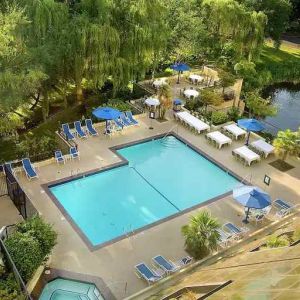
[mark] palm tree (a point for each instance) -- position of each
(201, 234)
(164, 96)
(287, 143)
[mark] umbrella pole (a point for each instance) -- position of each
(247, 215)
(178, 77)
(248, 137)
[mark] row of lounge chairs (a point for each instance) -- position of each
(126, 119)
(161, 267)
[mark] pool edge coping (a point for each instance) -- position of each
(124, 162)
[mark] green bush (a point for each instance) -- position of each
(219, 117)
(276, 241)
(6, 295)
(26, 253)
(296, 234)
(32, 146)
(233, 114)
(30, 245)
(41, 231)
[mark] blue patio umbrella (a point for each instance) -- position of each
(177, 102)
(251, 197)
(106, 113)
(250, 125)
(179, 67)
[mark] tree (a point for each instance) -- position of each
(226, 79)
(201, 234)
(259, 107)
(210, 97)
(287, 143)
(164, 96)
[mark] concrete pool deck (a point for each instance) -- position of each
(114, 264)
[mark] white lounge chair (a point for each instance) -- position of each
(284, 208)
(235, 131)
(246, 154)
(237, 232)
(219, 138)
(147, 273)
(263, 147)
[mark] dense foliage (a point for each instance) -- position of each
(201, 234)
(30, 245)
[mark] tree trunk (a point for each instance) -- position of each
(284, 156)
(37, 100)
(79, 92)
(45, 106)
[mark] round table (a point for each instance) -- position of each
(191, 93)
(158, 83)
(195, 78)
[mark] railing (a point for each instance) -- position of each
(11, 265)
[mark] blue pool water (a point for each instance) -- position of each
(64, 289)
(164, 177)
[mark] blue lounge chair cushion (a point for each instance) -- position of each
(130, 117)
(28, 168)
(8, 167)
(165, 264)
(231, 227)
(282, 204)
(118, 122)
(78, 129)
(90, 128)
(124, 120)
(67, 132)
(74, 152)
(59, 156)
(147, 273)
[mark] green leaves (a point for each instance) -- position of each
(201, 235)
(30, 245)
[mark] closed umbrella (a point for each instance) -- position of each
(179, 67)
(250, 125)
(251, 197)
(106, 113)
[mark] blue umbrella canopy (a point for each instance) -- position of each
(106, 113)
(252, 197)
(177, 102)
(251, 124)
(180, 67)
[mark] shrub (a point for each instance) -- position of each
(41, 231)
(25, 252)
(6, 295)
(233, 114)
(201, 235)
(296, 234)
(276, 241)
(30, 245)
(219, 117)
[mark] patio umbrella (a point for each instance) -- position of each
(251, 197)
(106, 113)
(177, 102)
(152, 102)
(180, 67)
(250, 125)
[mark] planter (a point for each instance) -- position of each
(288, 234)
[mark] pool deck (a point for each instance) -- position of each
(114, 264)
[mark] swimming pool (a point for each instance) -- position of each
(163, 177)
(65, 289)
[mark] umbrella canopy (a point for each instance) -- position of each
(177, 102)
(152, 102)
(252, 197)
(106, 113)
(180, 67)
(251, 124)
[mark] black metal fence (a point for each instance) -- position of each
(10, 264)
(17, 195)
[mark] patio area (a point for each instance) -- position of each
(114, 264)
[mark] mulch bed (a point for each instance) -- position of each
(281, 165)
